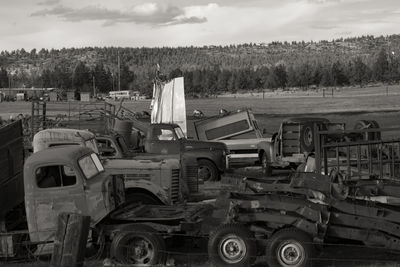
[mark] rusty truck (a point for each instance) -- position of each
(347, 192)
(72, 179)
(149, 179)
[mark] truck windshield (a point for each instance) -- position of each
(179, 133)
(91, 165)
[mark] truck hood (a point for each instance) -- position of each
(122, 166)
(195, 144)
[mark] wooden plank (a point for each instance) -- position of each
(292, 143)
(70, 240)
(290, 135)
(291, 128)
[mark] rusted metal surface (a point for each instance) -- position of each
(95, 197)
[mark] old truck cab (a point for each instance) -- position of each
(151, 179)
(67, 179)
(167, 138)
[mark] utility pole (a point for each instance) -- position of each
(112, 75)
(94, 87)
(9, 87)
(119, 73)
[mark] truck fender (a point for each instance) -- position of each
(267, 148)
(150, 187)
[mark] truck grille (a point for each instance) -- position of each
(175, 187)
(191, 175)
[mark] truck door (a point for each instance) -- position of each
(58, 189)
(163, 141)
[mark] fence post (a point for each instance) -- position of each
(70, 240)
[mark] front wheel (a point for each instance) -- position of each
(289, 248)
(140, 245)
(232, 245)
(207, 171)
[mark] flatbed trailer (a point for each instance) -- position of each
(349, 191)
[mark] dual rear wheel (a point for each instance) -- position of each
(234, 245)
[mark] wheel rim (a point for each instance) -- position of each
(308, 137)
(139, 251)
(232, 249)
(290, 253)
(204, 173)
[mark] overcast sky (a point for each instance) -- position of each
(134, 23)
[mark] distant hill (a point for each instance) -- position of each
(209, 69)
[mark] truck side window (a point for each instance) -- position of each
(164, 134)
(55, 176)
(106, 147)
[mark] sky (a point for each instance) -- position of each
(56, 24)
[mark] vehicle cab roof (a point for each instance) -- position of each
(59, 154)
(64, 133)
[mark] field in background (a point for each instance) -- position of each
(345, 106)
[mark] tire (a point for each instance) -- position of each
(307, 137)
(207, 171)
(232, 245)
(289, 247)
(138, 246)
(266, 165)
(136, 197)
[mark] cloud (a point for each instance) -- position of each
(189, 20)
(57, 11)
(48, 2)
(148, 13)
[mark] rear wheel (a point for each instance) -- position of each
(289, 248)
(307, 137)
(207, 171)
(139, 245)
(232, 245)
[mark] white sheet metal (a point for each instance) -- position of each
(168, 104)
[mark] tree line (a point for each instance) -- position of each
(208, 70)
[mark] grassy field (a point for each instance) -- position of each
(347, 105)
